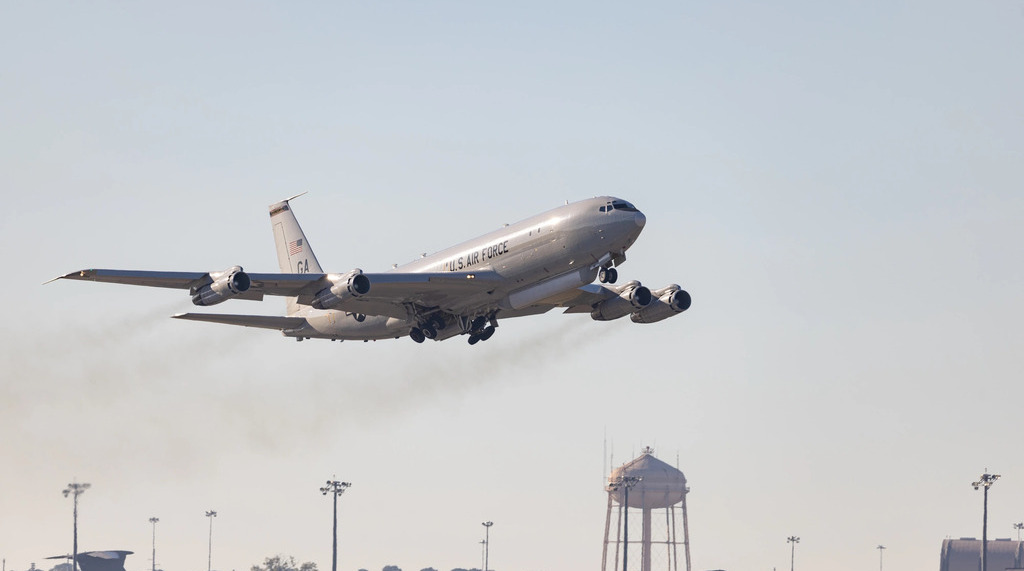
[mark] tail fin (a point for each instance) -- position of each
(294, 256)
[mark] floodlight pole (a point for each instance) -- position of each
(626, 482)
(335, 488)
(986, 482)
(487, 543)
(483, 554)
(880, 548)
(153, 521)
(76, 490)
(1018, 527)
(792, 551)
(209, 554)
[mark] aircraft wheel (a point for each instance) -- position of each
(359, 317)
(416, 335)
(473, 339)
(428, 331)
(612, 275)
(487, 333)
(602, 275)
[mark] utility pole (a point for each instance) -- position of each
(153, 521)
(880, 548)
(76, 490)
(335, 488)
(792, 552)
(209, 554)
(986, 482)
(487, 543)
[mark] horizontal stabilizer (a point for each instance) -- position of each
(261, 321)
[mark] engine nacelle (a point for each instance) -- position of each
(670, 301)
(226, 285)
(343, 288)
(632, 296)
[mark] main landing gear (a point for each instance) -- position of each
(607, 275)
(428, 330)
(477, 331)
(484, 335)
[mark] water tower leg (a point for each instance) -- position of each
(671, 553)
(607, 528)
(646, 547)
(618, 536)
(686, 533)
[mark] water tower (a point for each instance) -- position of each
(657, 493)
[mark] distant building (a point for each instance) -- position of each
(964, 554)
(94, 561)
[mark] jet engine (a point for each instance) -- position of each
(343, 288)
(669, 301)
(632, 296)
(225, 285)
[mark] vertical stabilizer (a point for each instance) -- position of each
(294, 255)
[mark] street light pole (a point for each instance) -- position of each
(153, 521)
(209, 554)
(76, 490)
(986, 482)
(483, 555)
(792, 551)
(487, 543)
(335, 488)
(1018, 527)
(880, 549)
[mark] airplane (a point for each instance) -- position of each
(528, 268)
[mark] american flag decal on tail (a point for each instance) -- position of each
(294, 247)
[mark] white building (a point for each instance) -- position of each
(964, 554)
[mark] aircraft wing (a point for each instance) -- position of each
(387, 294)
(391, 292)
(182, 280)
(262, 284)
(261, 321)
(582, 299)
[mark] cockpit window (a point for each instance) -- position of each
(623, 205)
(602, 209)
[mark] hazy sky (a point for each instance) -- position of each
(838, 184)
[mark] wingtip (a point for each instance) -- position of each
(79, 274)
(283, 205)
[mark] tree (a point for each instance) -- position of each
(281, 563)
(392, 568)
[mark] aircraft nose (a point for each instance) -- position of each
(640, 219)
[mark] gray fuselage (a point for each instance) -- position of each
(536, 258)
